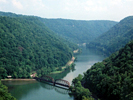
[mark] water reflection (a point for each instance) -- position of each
(42, 91)
(21, 88)
(47, 86)
(56, 88)
(62, 90)
(63, 74)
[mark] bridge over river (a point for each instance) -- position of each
(50, 80)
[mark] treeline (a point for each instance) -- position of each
(116, 38)
(78, 91)
(78, 31)
(26, 45)
(112, 78)
(4, 95)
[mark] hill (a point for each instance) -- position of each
(78, 31)
(27, 45)
(112, 78)
(115, 38)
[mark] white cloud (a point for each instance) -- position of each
(90, 3)
(115, 2)
(3, 1)
(71, 9)
(17, 4)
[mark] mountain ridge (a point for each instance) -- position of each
(76, 31)
(115, 38)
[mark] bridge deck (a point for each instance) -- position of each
(51, 81)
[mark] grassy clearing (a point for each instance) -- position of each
(56, 72)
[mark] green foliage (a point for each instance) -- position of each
(79, 92)
(26, 45)
(78, 31)
(4, 95)
(112, 78)
(116, 38)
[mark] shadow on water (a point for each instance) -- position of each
(47, 86)
(63, 74)
(21, 88)
(24, 88)
(27, 88)
(58, 89)
(43, 91)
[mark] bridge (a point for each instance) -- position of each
(57, 82)
(56, 88)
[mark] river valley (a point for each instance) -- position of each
(34, 90)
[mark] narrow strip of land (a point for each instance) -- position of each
(18, 79)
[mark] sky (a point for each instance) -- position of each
(114, 10)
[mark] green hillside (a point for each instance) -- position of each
(115, 38)
(78, 31)
(4, 95)
(112, 78)
(26, 45)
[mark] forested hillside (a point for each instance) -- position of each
(112, 79)
(78, 31)
(4, 95)
(26, 45)
(115, 38)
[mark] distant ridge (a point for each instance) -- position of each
(115, 38)
(78, 31)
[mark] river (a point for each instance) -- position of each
(34, 90)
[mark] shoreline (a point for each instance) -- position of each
(69, 63)
(18, 80)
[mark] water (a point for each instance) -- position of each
(34, 90)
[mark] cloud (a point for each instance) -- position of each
(71, 9)
(3, 1)
(17, 4)
(94, 6)
(115, 2)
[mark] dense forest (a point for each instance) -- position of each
(78, 31)
(115, 38)
(4, 95)
(26, 45)
(110, 79)
(78, 91)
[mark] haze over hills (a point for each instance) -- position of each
(78, 31)
(115, 38)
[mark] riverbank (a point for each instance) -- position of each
(18, 79)
(34, 74)
(39, 91)
(64, 67)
